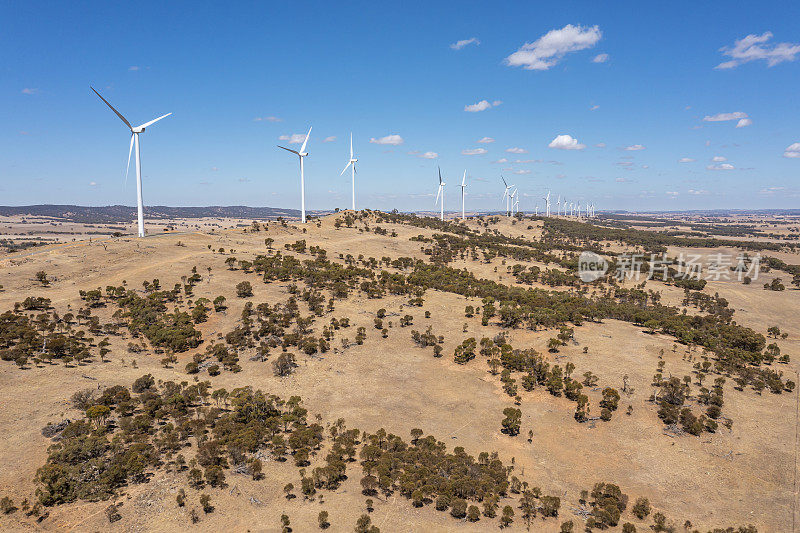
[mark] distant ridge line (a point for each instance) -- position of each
(122, 213)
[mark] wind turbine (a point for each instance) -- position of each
(547, 203)
(352, 163)
(558, 206)
(135, 131)
(463, 186)
(505, 193)
(512, 196)
(516, 204)
(537, 210)
(440, 193)
(301, 154)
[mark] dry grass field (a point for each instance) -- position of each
(740, 475)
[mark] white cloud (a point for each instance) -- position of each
(501, 160)
(634, 147)
(723, 166)
(550, 48)
(645, 166)
(522, 172)
(483, 105)
(686, 160)
(600, 145)
(214, 169)
(792, 151)
(458, 45)
(624, 163)
(566, 142)
(771, 190)
(719, 159)
(393, 140)
(516, 150)
(600, 58)
(622, 180)
(92, 184)
(30, 90)
(294, 138)
(429, 155)
(475, 151)
(697, 192)
(722, 117)
(267, 119)
(594, 108)
(244, 180)
(133, 68)
(329, 139)
(755, 48)
(486, 140)
(673, 194)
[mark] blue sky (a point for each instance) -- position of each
(663, 74)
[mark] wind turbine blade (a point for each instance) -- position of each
(345, 168)
(288, 149)
(437, 195)
(112, 108)
(464, 179)
(440, 176)
(127, 168)
(303, 149)
(504, 181)
(154, 121)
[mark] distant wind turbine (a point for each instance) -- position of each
(505, 193)
(547, 204)
(512, 196)
(352, 163)
(440, 193)
(463, 186)
(558, 206)
(301, 154)
(135, 131)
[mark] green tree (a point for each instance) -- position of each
(512, 421)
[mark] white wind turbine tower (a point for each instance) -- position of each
(547, 204)
(352, 163)
(440, 193)
(512, 196)
(301, 154)
(463, 186)
(558, 206)
(516, 204)
(505, 193)
(537, 210)
(135, 131)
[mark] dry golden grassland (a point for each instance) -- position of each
(737, 476)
